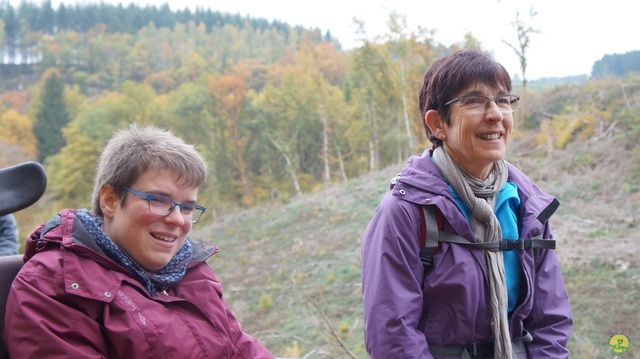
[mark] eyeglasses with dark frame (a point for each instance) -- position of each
(163, 206)
(480, 104)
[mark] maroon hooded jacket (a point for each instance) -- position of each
(71, 301)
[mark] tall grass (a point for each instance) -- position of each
(605, 301)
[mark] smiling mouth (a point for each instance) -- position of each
(490, 136)
(163, 238)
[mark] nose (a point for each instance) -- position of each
(493, 112)
(175, 217)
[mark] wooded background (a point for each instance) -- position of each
(276, 110)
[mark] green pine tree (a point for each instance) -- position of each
(51, 118)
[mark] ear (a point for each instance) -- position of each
(109, 200)
(436, 124)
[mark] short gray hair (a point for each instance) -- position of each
(135, 150)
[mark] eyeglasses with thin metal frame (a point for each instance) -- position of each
(163, 206)
(477, 103)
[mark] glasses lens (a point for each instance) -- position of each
(474, 103)
(508, 103)
(160, 206)
(194, 215)
(190, 213)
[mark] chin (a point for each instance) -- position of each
(497, 155)
(156, 265)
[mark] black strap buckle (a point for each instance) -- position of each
(508, 245)
(480, 350)
(473, 350)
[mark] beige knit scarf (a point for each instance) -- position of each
(481, 197)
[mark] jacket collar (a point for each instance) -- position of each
(65, 229)
(420, 182)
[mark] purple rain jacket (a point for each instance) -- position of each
(71, 301)
(455, 289)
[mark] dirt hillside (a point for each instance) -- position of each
(600, 199)
(292, 272)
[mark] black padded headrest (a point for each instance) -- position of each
(21, 186)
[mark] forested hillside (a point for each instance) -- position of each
(301, 138)
(117, 43)
(277, 111)
(617, 65)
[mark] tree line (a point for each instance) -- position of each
(616, 64)
(26, 30)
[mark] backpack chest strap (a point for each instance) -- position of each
(433, 235)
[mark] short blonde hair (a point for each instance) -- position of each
(135, 150)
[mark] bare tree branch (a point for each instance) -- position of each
(333, 333)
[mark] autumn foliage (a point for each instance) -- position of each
(276, 110)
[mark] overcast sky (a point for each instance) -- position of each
(573, 34)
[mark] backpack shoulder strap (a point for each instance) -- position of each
(429, 233)
(430, 236)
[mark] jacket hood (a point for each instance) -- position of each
(419, 180)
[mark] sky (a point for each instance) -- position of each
(572, 34)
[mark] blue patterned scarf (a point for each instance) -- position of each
(154, 281)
